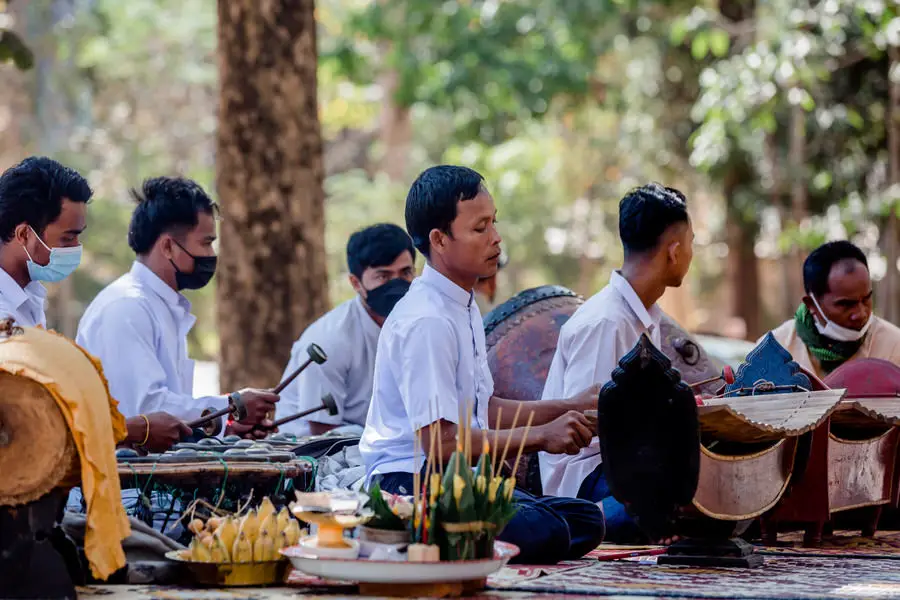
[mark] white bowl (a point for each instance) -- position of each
(309, 546)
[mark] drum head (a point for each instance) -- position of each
(866, 377)
(521, 336)
(36, 449)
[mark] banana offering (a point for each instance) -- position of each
(256, 536)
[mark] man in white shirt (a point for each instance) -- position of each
(431, 363)
(658, 239)
(138, 325)
(381, 261)
(43, 212)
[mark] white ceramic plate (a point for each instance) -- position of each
(381, 571)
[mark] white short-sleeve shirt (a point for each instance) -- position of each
(591, 343)
(137, 327)
(25, 305)
(349, 337)
(431, 362)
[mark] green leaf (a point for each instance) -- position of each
(719, 42)
(807, 102)
(678, 31)
(13, 48)
(855, 119)
(700, 46)
(822, 180)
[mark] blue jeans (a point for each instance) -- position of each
(546, 530)
(620, 527)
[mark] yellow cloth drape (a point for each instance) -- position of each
(76, 382)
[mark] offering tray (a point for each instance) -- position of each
(232, 574)
(405, 578)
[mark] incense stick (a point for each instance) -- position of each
(509, 436)
(440, 443)
(522, 445)
(496, 453)
(468, 434)
(417, 445)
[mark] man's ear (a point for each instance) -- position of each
(21, 232)
(437, 241)
(813, 309)
(167, 246)
(672, 252)
(355, 283)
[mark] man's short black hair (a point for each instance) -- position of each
(646, 212)
(431, 202)
(32, 192)
(377, 246)
(817, 266)
(166, 205)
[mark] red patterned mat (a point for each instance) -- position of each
(795, 578)
(885, 544)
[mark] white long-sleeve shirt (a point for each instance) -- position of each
(349, 337)
(591, 343)
(137, 327)
(25, 305)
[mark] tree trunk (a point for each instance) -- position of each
(272, 279)
(15, 109)
(889, 289)
(743, 275)
(799, 199)
(395, 130)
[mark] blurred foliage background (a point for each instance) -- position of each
(778, 119)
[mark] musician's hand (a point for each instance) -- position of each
(251, 432)
(586, 399)
(165, 431)
(566, 434)
(259, 403)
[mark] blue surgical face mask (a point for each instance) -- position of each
(63, 261)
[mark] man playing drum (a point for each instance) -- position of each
(658, 240)
(138, 325)
(43, 212)
(431, 363)
(381, 260)
(834, 322)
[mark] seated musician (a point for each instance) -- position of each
(137, 326)
(381, 260)
(834, 322)
(658, 241)
(43, 211)
(432, 361)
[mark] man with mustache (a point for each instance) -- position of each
(381, 261)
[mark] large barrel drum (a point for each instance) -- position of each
(58, 429)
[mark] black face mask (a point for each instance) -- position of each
(204, 269)
(383, 298)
